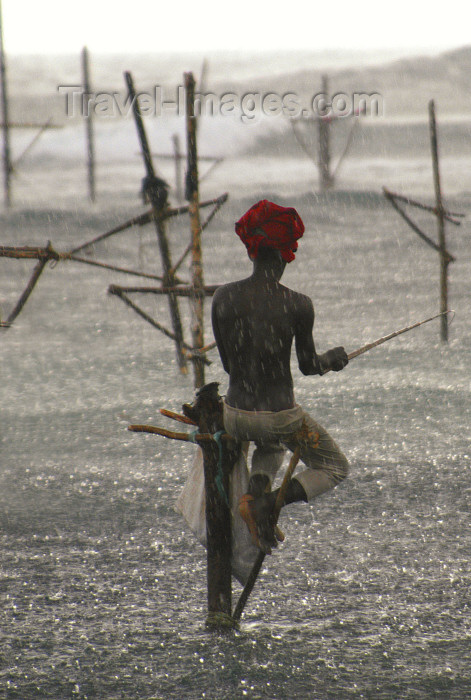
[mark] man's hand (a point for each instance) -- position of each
(334, 359)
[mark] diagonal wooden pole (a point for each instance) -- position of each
(449, 215)
(157, 193)
(392, 199)
(40, 265)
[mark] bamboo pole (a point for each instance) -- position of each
(187, 350)
(192, 193)
(218, 201)
(140, 220)
(444, 256)
(89, 124)
(146, 218)
(413, 225)
(157, 193)
(207, 290)
(107, 266)
(217, 205)
(7, 166)
(178, 167)
(449, 215)
(176, 416)
(172, 435)
(30, 252)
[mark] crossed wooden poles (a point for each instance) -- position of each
(442, 215)
(155, 191)
(323, 158)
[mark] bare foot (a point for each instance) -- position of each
(258, 516)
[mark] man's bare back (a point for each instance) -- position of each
(254, 322)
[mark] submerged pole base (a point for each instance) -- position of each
(220, 620)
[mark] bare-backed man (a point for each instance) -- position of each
(255, 321)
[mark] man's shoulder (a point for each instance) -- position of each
(225, 290)
(298, 298)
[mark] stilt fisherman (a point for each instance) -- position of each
(255, 321)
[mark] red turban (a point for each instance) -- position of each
(267, 224)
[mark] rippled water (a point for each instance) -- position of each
(103, 589)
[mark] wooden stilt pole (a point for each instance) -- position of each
(178, 167)
(325, 177)
(7, 166)
(192, 194)
(218, 461)
(156, 190)
(89, 124)
(444, 257)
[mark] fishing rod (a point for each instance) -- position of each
(380, 341)
(250, 583)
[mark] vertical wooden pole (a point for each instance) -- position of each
(218, 536)
(157, 192)
(197, 301)
(207, 413)
(325, 177)
(7, 166)
(178, 167)
(444, 260)
(89, 125)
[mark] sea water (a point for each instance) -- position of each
(103, 588)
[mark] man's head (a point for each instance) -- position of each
(268, 225)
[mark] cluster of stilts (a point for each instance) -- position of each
(155, 192)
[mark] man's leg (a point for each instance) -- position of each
(327, 465)
(267, 459)
(255, 506)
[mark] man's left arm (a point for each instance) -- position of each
(218, 337)
(308, 360)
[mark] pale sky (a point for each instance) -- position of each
(105, 26)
